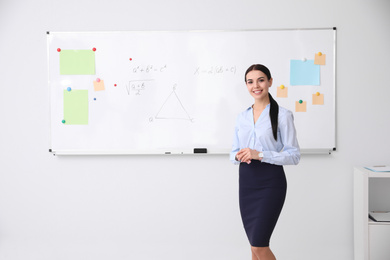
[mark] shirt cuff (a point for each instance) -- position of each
(233, 158)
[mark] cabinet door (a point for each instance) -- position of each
(379, 241)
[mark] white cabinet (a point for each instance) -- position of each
(371, 239)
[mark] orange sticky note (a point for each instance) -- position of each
(300, 107)
(318, 100)
(319, 59)
(98, 85)
(282, 92)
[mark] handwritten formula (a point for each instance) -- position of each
(148, 68)
(136, 87)
(215, 70)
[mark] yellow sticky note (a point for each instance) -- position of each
(282, 92)
(318, 100)
(98, 85)
(319, 59)
(300, 107)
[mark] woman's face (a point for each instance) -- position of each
(258, 84)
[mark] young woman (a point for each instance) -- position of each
(264, 140)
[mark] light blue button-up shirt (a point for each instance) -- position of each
(259, 137)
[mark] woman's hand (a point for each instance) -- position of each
(247, 154)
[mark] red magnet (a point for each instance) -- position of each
(130, 59)
(114, 85)
(94, 49)
(58, 49)
(97, 80)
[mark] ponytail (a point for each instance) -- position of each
(273, 114)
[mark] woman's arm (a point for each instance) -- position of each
(290, 153)
(235, 146)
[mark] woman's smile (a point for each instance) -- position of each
(258, 91)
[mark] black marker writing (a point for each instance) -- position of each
(137, 86)
(215, 70)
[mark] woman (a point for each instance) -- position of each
(264, 140)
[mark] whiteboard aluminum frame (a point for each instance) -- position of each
(97, 152)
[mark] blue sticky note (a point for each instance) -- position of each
(304, 73)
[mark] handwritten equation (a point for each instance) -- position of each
(149, 69)
(215, 70)
(136, 87)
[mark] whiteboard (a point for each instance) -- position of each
(157, 92)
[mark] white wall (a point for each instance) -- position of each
(179, 207)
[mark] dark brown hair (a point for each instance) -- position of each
(274, 107)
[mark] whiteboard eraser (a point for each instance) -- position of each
(200, 150)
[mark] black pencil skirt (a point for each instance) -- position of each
(262, 191)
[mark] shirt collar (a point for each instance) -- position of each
(251, 108)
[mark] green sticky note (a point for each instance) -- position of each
(76, 107)
(77, 62)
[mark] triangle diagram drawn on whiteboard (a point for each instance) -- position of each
(173, 109)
